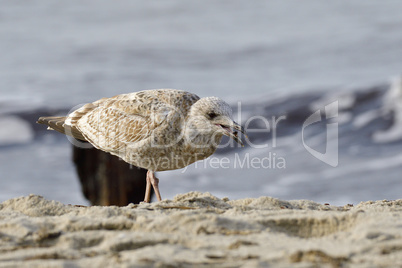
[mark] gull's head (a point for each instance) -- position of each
(215, 116)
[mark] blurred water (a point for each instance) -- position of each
(65, 53)
(59, 54)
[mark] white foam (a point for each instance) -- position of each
(392, 102)
(363, 119)
(14, 130)
(345, 100)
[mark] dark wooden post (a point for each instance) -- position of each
(107, 180)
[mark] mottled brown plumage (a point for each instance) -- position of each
(158, 130)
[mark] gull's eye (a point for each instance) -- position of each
(212, 115)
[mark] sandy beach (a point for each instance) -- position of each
(198, 229)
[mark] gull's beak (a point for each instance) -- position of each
(232, 131)
(236, 128)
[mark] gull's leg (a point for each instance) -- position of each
(155, 182)
(147, 197)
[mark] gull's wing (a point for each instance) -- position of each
(110, 124)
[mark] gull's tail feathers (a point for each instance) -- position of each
(58, 123)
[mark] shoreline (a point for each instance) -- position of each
(198, 229)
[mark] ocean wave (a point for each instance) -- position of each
(369, 143)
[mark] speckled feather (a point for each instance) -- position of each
(146, 128)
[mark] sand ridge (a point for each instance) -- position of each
(199, 229)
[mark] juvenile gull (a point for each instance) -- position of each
(158, 130)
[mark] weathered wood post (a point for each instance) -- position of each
(106, 179)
